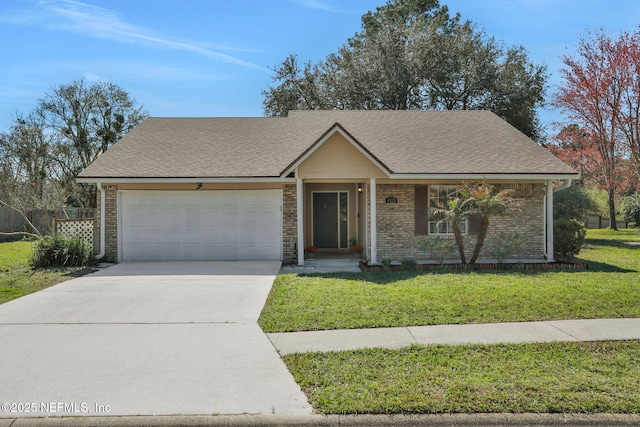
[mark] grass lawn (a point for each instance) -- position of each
(17, 278)
(609, 288)
(598, 377)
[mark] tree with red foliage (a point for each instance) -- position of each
(629, 52)
(578, 148)
(601, 94)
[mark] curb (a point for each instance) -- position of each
(565, 420)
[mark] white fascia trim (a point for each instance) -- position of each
(337, 129)
(530, 177)
(182, 180)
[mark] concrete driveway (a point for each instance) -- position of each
(146, 339)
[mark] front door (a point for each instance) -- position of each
(330, 219)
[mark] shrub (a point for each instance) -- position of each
(386, 262)
(437, 247)
(632, 208)
(574, 202)
(61, 251)
(408, 264)
(568, 236)
(506, 244)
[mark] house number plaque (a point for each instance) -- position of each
(391, 200)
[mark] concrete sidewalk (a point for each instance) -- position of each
(488, 333)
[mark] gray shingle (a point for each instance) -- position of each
(406, 142)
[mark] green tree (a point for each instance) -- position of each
(89, 118)
(632, 208)
(411, 54)
(573, 203)
(600, 93)
(42, 153)
(26, 155)
(86, 119)
(27, 168)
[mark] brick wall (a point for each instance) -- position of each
(289, 223)
(528, 221)
(396, 227)
(111, 225)
(396, 222)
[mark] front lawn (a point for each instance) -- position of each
(609, 289)
(600, 377)
(17, 278)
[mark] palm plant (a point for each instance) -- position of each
(486, 202)
(454, 211)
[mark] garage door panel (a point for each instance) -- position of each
(201, 225)
(255, 234)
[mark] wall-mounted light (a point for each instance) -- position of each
(359, 189)
(199, 186)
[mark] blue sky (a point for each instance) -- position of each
(212, 57)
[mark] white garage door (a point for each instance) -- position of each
(200, 225)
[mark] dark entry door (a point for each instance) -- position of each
(330, 220)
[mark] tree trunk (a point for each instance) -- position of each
(484, 227)
(460, 241)
(613, 224)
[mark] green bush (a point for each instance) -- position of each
(575, 202)
(632, 208)
(568, 236)
(507, 244)
(61, 251)
(437, 247)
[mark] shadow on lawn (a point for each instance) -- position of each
(613, 243)
(604, 267)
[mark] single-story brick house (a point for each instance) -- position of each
(267, 187)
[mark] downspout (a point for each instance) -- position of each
(103, 232)
(549, 213)
(564, 186)
(544, 220)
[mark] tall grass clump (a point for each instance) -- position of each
(61, 251)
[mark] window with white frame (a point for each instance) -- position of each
(439, 196)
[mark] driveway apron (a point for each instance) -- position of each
(146, 339)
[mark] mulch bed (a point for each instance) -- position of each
(552, 266)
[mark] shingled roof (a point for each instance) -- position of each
(404, 142)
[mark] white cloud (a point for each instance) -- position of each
(99, 22)
(318, 5)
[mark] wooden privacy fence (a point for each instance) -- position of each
(597, 221)
(43, 219)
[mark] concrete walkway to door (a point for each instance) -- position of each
(147, 339)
